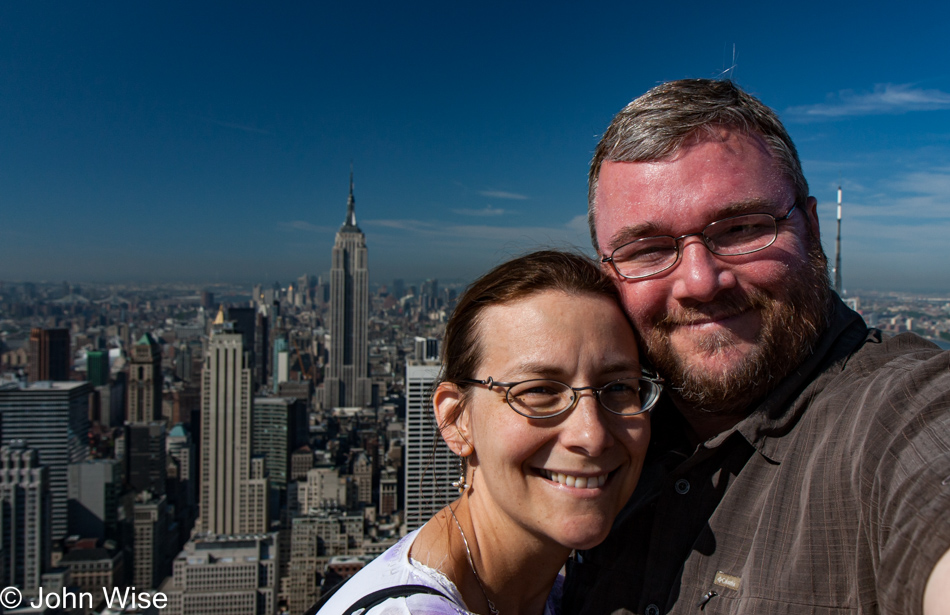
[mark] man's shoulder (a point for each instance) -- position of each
(884, 394)
(903, 355)
(901, 344)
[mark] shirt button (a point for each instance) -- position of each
(681, 486)
(652, 609)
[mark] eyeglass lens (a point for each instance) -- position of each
(547, 397)
(729, 237)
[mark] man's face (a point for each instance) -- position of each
(722, 329)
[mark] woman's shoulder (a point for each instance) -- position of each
(394, 569)
(419, 604)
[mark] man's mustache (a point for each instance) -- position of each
(722, 306)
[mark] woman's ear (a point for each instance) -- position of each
(453, 421)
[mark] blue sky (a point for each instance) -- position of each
(207, 142)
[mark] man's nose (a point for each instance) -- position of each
(700, 274)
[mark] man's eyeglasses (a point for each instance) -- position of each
(545, 399)
(733, 236)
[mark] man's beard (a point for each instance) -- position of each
(790, 327)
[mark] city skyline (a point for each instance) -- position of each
(211, 144)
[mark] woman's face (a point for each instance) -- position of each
(529, 470)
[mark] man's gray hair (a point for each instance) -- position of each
(657, 124)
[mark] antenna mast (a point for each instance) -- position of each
(837, 269)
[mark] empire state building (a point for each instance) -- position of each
(346, 382)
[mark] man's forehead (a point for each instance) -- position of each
(715, 175)
(639, 228)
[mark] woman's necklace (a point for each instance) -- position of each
(471, 562)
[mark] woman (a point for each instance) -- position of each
(542, 395)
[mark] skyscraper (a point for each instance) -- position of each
(151, 540)
(95, 488)
(430, 465)
(146, 457)
(49, 354)
(24, 517)
(97, 367)
(252, 325)
(223, 576)
(53, 418)
(278, 427)
(346, 383)
(226, 436)
(145, 381)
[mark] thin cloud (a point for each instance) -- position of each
(925, 199)
(918, 200)
(570, 233)
(240, 127)
(302, 225)
(417, 226)
(488, 211)
(886, 99)
(500, 194)
(579, 224)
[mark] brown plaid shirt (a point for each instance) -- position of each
(832, 496)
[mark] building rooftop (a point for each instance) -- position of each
(46, 385)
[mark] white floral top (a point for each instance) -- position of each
(395, 567)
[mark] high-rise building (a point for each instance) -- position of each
(145, 381)
(261, 346)
(226, 435)
(95, 486)
(145, 456)
(426, 349)
(362, 470)
(388, 493)
(53, 418)
(97, 367)
(180, 450)
(245, 323)
(224, 576)
(316, 538)
(49, 354)
(430, 465)
(150, 543)
(24, 517)
(280, 361)
(346, 382)
(182, 490)
(322, 488)
(278, 426)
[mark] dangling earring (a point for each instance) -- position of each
(460, 484)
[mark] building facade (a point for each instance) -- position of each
(53, 418)
(150, 544)
(97, 367)
(224, 577)
(279, 425)
(24, 518)
(430, 465)
(145, 381)
(95, 487)
(347, 382)
(146, 457)
(226, 436)
(49, 354)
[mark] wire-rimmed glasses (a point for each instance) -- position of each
(541, 398)
(732, 236)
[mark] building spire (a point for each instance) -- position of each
(350, 222)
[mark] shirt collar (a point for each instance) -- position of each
(781, 410)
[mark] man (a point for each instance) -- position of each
(801, 463)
